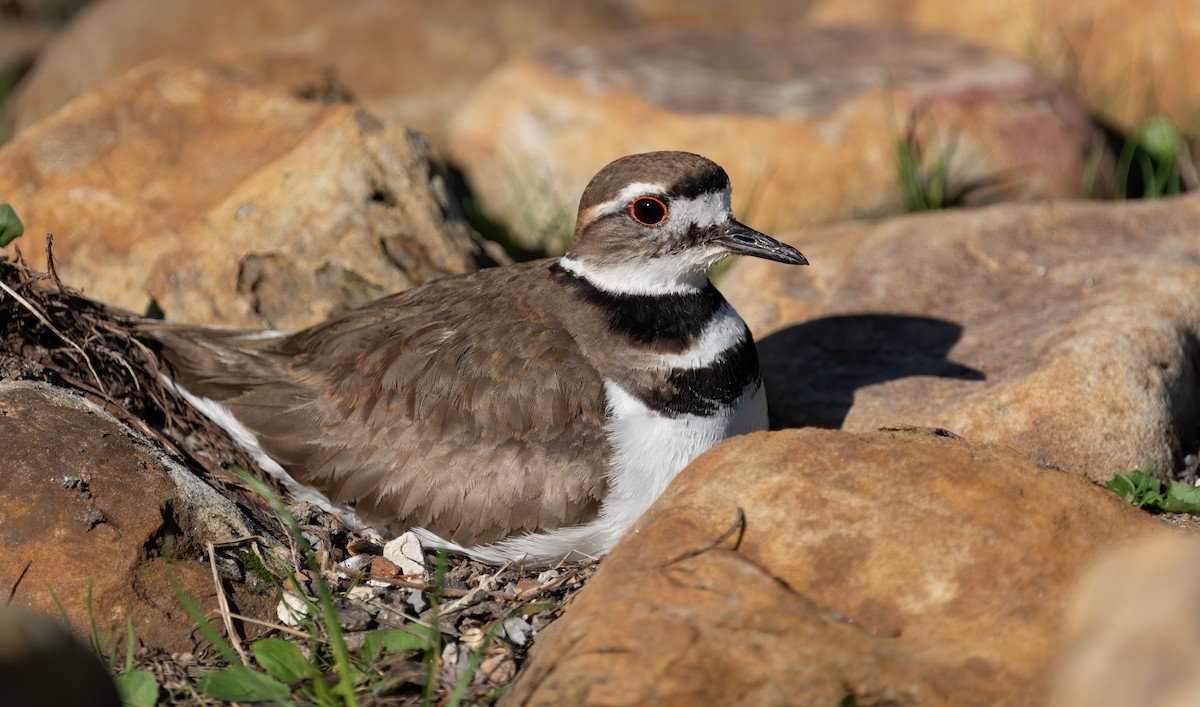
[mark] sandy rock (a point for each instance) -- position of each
(714, 13)
(220, 192)
(1068, 331)
(20, 42)
(806, 121)
(1132, 630)
(90, 504)
(406, 60)
(1129, 61)
(883, 568)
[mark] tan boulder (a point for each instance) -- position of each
(714, 13)
(1129, 61)
(1132, 629)
(101, 520)
(217, 190)
(20, 42)
(897, 567)
(406, 60)
(1069, 331)
(806, 121)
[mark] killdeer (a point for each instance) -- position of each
(525, 413)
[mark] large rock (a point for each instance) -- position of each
(1129, 61)
(806, 121)
(223, 193)
(884, 568)
(97, 517)
(20, 42)
(406, 60)
(1070, 331)
(1133, 629)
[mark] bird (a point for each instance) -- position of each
(524, 413)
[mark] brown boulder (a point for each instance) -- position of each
(91, 508)
(806, 121)
(20, 42)
(1069, 331)
(1132, 629)
(885, 568)
(1129, 61)
(405, 60)
(218, 190)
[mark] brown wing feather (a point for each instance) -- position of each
(474, 422)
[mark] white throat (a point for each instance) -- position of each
(684, 271)
(675, 274)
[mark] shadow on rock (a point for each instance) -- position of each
(813, 369)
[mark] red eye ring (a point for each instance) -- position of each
(648, 210)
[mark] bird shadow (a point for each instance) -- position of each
(812, 370)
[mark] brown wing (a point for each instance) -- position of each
(473, 422)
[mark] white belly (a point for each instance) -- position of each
(649, 450)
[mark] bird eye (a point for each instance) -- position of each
(648, 211)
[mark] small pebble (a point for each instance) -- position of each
(291, 610)
(517, 630)
(417, 601)
(498, 668)
(365, 593)
(406, 553)
(352, 565)
(383, 567)
(353, 617)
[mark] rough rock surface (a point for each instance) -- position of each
(1126, 60)
(90, 506)
(1132, 631)
(805, 120)
(1069, 331)
(20, 41)
(221, 192)
(896, 567)
(403, 59)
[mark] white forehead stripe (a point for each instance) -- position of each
(627, 195)
(701, 211)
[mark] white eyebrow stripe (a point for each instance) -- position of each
(701, 211)
(627, 195)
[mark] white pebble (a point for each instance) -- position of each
(405, 552)
(291, 610)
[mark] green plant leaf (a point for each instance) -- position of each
(241, 684)
(1160, 138)
(395, 639)
(1180, 498)
(1138, 488)
(11, 227)
(138, 688)
(282, 660)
